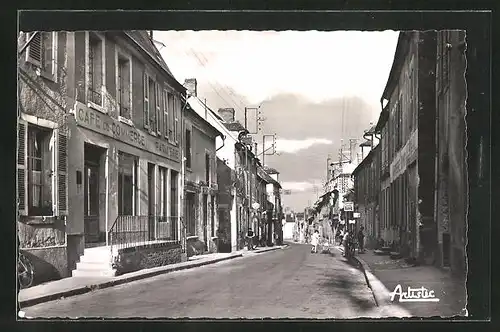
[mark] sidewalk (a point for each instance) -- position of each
(383, 275)
(79, 285)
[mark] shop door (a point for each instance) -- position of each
(205, 221)
(151, 202)
(91, 203)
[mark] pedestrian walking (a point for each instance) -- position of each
(250, 238)
(361, 238)
(315, 241)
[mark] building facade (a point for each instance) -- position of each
(407, 147)
(111, 136)
(451, 172)
(367, 190)
(201, 186)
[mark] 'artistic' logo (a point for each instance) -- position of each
(421, 294)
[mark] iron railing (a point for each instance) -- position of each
(95, 97)
(133, 231)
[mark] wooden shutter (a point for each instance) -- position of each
(62, 172)
(165, 113)
(146, 101)
(176, 121)
(158, 109)
(34, 49)
(22, 167)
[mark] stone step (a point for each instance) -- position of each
(395, 255)
(93, 266)
(95, 259)
(93, 273)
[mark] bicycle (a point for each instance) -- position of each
(25, 272)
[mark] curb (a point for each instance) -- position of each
(125, 279)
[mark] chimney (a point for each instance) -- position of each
(150, 33)
(191, 85)
(227, 114)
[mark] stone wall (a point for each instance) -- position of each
(146, 257)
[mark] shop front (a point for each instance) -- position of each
(128, 184)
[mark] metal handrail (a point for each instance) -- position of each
(132, 231)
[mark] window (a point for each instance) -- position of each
(165, 113)
(207, 169)
(42, 52)
(41, 170)
(123, 86)
(188, 148)
(127, 184)
(95, 67)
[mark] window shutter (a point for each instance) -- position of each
(176, 123)
(34, 49)
(62, 172)
(165, 113)
(22, 175)
(146, 101)
(158, 109)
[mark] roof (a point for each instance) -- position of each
(263, 175)
(141, 38)
(197, 107)
(234, 126)
(384, 116)
(271, 170)
(397, 63)
(366, 143)
(367, 159)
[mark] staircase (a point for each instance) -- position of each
(95, 262)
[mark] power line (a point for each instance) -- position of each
(231, 92)
(213, 87)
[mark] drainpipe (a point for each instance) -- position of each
(223, 143)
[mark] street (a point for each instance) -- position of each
(289, 283)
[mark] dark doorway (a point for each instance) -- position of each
(92, 156)
(190, 213)
(205, 221)
(151, 201)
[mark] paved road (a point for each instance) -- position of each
(284, 283)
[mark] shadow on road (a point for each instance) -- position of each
(348, 288)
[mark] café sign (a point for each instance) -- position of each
(105, 125)
(405, 157)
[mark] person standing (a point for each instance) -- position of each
(346, 242)
(250, 238)
(361, 238)
(315, 241)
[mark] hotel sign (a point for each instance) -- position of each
(405, 157)
(105, 125)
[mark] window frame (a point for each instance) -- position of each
(188, 149)
(166, 121)
(40, 62)
(88, 36)
(135, 182)
(120, 54)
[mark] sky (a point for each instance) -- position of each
(313, 88)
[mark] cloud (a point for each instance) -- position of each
(297, 186)
(302, 186)
(293, 146)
